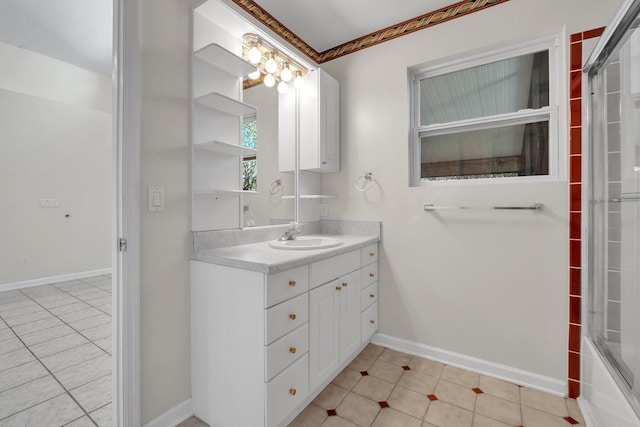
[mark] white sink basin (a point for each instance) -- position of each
(306, 242)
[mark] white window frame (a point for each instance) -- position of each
(557, 102)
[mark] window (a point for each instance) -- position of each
(249, 164)
(489, 116)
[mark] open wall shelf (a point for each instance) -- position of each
(226, 148)
(311, 196)
(226, 105)
(217, 192)
(227, 61)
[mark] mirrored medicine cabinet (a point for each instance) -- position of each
(246, 137)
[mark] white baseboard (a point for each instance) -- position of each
(52, 279)
(173, 416)
(484, 367)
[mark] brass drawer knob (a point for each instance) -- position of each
(292, 350)
(338, 288)
(292, 391)
(372, 254)
(292, 283)
(344, 285)
(372, 295)
(292, 316)
(373, 322)
(372, 275)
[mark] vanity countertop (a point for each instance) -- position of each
(265, 259)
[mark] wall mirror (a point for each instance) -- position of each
(273, 204)
(254, 192)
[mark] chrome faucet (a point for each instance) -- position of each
(294, 228)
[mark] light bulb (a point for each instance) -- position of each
(271, 66)
(285, 74)
(269, 80)
(283, 87)
(298, 83)
(254, 55)
(255, 75)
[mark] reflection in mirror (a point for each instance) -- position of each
(267, 207)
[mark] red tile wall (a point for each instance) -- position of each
(575, 206)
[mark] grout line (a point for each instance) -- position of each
(518, 402)
(394, 386)
(76, 331)
(67, 324)
(79, 418)
(52, 376)
(32, 406)
(30, 381)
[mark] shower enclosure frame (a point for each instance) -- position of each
(601, 194)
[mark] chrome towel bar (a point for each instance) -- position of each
(626, 197)
(532, 207)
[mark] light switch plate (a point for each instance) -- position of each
(324, 209)
(156, 199)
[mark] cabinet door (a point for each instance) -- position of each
(369, 319)
(287, 131)
(324, 333)
(349, 315)
(309, 102)
(329, 127)
(318, 122)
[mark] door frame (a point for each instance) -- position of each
(126, 213)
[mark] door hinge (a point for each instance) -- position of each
(122, 244)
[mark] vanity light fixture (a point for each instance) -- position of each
(269, 80)
(298, 82)
(272, 65)
(255, 75)
(253, 55)
(283, 87)
(285, 74)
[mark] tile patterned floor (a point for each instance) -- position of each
(55, 354)
(386, 388)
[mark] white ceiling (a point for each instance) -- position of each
(73, 31)
(329, 23)
(80, 31)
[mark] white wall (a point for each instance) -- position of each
(55, 143)
(438, 277)
(264, 207)
(491, 285)
(165, 236)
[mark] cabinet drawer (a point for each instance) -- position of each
(368, 295)
(326, 270)
(285, 351)
(287, 284)
(369, 254)
(369, 319)
(286, 391)
(285, 317)
(369, 274)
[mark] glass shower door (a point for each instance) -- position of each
(615, 209)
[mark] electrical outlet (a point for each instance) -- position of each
(324, 209)
(49, 203)
(25, 261)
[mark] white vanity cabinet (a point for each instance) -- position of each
(369, 291)
(249, 345)
(264, 345)
(334, 329)
(318, 123)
